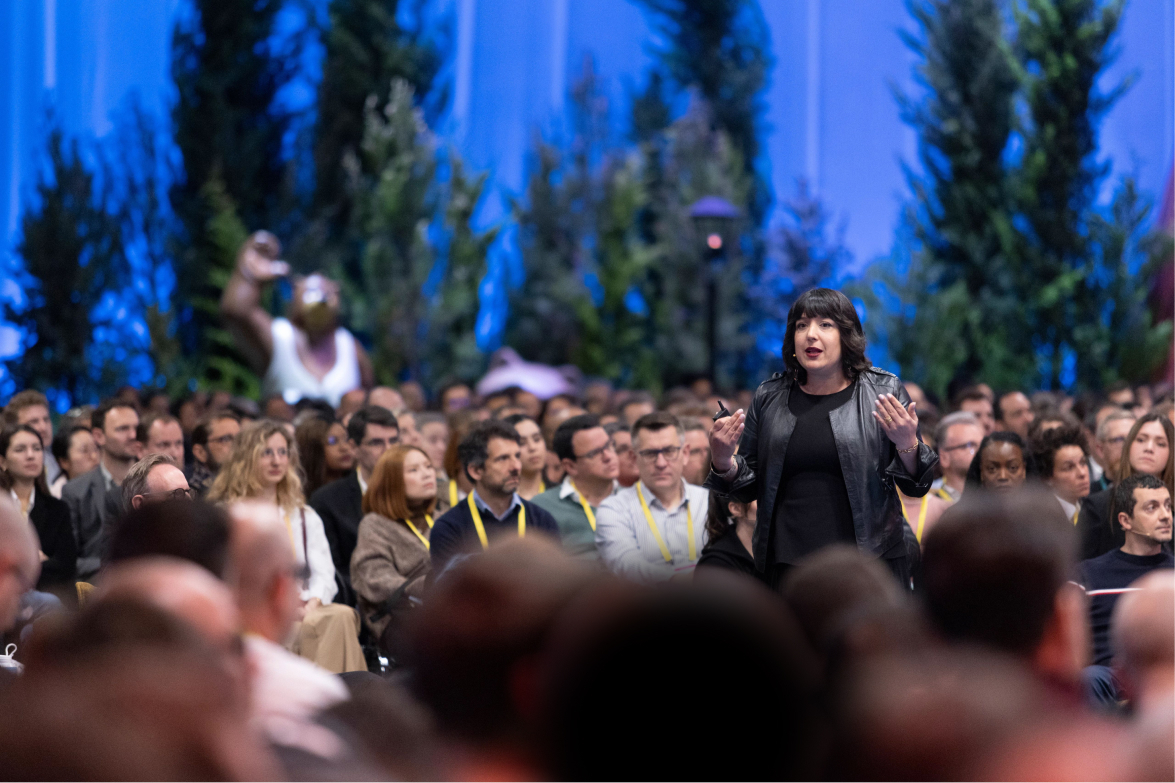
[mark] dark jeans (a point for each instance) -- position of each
(907, 569)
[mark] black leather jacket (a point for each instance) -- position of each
(868, 458)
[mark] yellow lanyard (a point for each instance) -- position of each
(542, 486)
(1076, 514)
(921, 516)
(452, 493)
(481, 530)
(942, 493)
(689, 527)
(290, 530)
(412, 527)
(587, 509)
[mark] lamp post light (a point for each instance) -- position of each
(713, 218)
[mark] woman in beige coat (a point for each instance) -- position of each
(391, 559)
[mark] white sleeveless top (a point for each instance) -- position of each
(288, 377)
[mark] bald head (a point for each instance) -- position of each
(1143, 628)
(19, 565)
(178, 587)
(267, 593)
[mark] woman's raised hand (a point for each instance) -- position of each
(900, 424)
(724, 439)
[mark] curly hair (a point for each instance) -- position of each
(1049, 442)
(240, 475)
(827, 303)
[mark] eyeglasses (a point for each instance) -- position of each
(1118, 441)
(597, 452)
(650, 455)
(176, 494)
(379, 443)
(223, 440)
(622, 449)
(333, 440)
(969, 445)
(270, 453)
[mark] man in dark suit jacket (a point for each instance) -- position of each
(371, 430)
(114, 423)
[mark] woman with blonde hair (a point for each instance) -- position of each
(391, 560)
(264, 466)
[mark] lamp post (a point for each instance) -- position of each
(713, 218)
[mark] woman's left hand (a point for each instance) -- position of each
(900, 424)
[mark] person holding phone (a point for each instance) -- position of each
(306, 354)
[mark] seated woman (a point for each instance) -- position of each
(22, 472)
(391, 559)
(1001, 463)
(326, 453)
(729, 527)
(76, 453)
(264, 466)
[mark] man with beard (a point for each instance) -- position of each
(212, 443)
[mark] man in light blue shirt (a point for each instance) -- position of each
(655, 529)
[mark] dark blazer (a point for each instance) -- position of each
(50, 517)
(88, 513)
(870, 462)
(340, 504)
(1099, 534)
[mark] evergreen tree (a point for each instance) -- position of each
(72, 252)
(721, 49)
(365, 49)
(227, 74)
(392, 184)
(1064, 46)
(962, 313)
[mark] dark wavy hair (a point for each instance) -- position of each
(827, 303)
(974, 472)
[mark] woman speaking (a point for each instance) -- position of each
(824, 446)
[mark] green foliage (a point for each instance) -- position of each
(1011, 262)
(392, 185)
(397, 197)
(72, 251)
(721, 49)
(365, 50)
(227, 75)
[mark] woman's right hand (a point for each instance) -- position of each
(724, 439)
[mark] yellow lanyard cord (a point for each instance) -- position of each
(921, 516)
(412, 527)
(290, 530)
(587, 509)
(481, 530)
(942, 493)
(689, 528)
(452, 493)
(1076, 514)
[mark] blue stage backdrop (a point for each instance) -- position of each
(830, 113)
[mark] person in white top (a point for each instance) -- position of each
(656, 529)
(288, 691)
(264, 467)
(305, 355)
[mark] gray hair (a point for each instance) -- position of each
(1103, 429)
(135, 482)
(950, 420)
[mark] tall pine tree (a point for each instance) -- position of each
(961, 312)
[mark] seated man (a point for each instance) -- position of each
(288, 690)
(590, 466)
(160, 433)
(655, 529)
(491, 456)
(212, 443)
(306, 355)
(371, 430)
(1063, 459)
(1144, 512)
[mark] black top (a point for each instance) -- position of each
(1111, 572)
(727, 551)
(453, 533)
(50, 517)
(812, 509)
(340, 504)
(1099, 534)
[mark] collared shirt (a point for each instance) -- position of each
(107, 476)
(362, 483)
(32, 501)
(1070, 509)
(481, 504)
(575, 531)
(627, 545)
(945, 491)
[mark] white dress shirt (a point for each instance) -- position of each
(1070, 509)
(627, 545)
